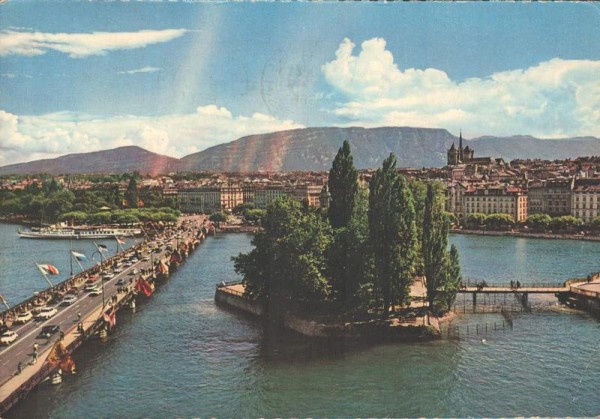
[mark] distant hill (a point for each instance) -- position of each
(527, 147)
(315, 148)
(118, 160)
(312, 149)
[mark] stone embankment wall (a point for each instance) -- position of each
(237, 301)
(375, 330)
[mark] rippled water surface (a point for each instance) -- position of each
(180, 355)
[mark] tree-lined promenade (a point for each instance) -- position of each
(52, 203)
(361, 257)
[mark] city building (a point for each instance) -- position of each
(552, 197)
(498, 199)
(585, 199)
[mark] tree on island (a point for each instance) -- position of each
(440, 267)
(343, 187)
(348, 219)
(434, 245)
(451, 281)
(392, 234)
(287, 267)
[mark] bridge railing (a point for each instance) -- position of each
(472, 283)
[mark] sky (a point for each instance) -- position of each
(178, 77)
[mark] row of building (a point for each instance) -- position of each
(490, 186)
(226, 197)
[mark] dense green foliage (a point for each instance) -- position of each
(102, 203)
(366, 265)
(392, 233)
(219, 217)
(434, 245)
(131, 194)
(288, 264)
(343, 187)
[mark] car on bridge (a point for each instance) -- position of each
(46, 312)
(3, 329)
(23, 317)
(94, 291)
(48, 331)
(68, 300)
(8, 337)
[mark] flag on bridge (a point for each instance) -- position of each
(110, 317)
(48, 269)
(59, 357)
(120, 240)
(79, 256)
(143, 286)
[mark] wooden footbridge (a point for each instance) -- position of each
(521, 292)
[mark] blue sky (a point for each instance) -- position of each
(176, 78)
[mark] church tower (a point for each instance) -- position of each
(452, 156)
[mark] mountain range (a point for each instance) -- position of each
(312, 149)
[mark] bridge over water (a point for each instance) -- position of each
(522, 292)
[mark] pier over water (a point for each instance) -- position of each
(31, 359)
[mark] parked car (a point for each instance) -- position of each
(23, 318)
(108, 275)
(46, 312)
(128, 264)
(48, 331)
(146, 258)
(118, 270)
(68, 300)
(3, 329)
(8, 337)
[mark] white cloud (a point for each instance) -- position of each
(556, 98)
(141, 70)
(80, 45)
(26, 138)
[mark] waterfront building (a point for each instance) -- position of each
(210, 198)
(498, 199)
(585, 199)
(265, 195)
(552, 197)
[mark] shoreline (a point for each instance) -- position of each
(528, 235)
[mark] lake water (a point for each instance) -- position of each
(179, 355)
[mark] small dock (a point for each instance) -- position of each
(22, 367)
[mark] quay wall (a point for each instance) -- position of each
(237, 301)
(375, 329)
(531, 235)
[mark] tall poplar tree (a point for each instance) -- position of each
(452, 279)
(344, 253)
(392, 233)
(131, 194)
(343, 187)
(434, 245)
